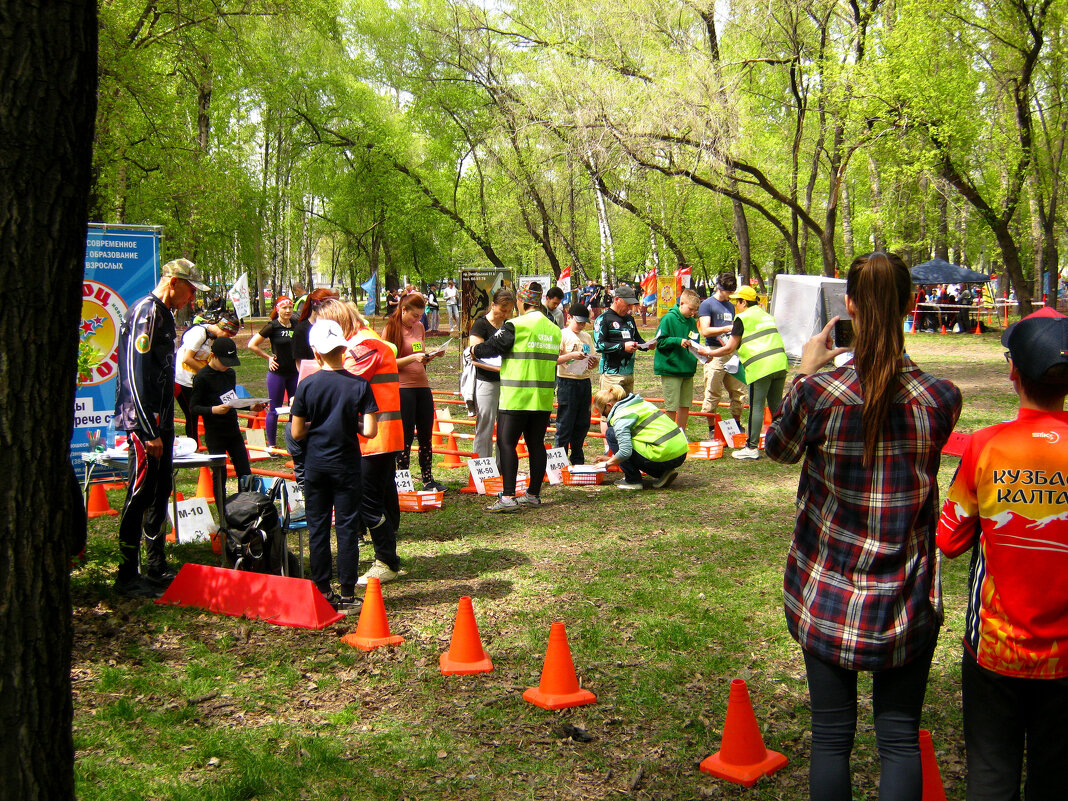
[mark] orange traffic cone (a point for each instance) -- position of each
(521, 449)
(466, 654)
(933, 790)
(943, 330)
(470, 488)
(98, 505)
(206, 486)
(767, 415)
(452, 459)
(559, 687)
(178, 496)
(260, 420)
(978, 328)
(436, 437)
(742, 757)
(372, 631)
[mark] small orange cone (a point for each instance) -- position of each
(452, 459)
(470, 488)
(978, 329)
(767, 415)
(98, 505)
(436, 437)
(943, 330)
(466, 654)
(559, 687)
(205, 485)
(521, 449)
(372, 631)
(742, 757)
(178, 496)
(933, 790)
(260, 420)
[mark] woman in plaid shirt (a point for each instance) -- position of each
(861, 587)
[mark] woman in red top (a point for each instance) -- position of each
(861, 588)
(405, 331)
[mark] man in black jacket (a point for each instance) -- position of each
(617, 338)
(144, 409)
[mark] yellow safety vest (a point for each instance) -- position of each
(528, 372)
(762, 352)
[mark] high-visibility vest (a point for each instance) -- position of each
(528, 372)
(654, 435)
(761, 352)
(371, 357)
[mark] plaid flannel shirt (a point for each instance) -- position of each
(862, 585)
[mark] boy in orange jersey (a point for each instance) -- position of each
(1009, 504)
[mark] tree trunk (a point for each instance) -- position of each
(741, 235)
(877, 240)
(847, 224)
(46, 136)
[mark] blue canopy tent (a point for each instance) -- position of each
(940, 271)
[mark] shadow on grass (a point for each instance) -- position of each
(464, 565)
(420, 597)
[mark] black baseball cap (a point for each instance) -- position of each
(1038, 342)
(579, 312)
(224, 349)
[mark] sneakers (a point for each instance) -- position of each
(138, 587)
(504, 505)
(380, 571)
(349, 603)
(334, 600)
(433, 486)
(528, 500)
(626, 485)
(162, 576)
(746, 453)
(666, 479)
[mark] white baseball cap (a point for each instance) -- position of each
(326, 336)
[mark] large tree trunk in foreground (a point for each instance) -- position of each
(47, 107)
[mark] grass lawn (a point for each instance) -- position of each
(666, 596)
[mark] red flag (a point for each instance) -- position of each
(649, 283)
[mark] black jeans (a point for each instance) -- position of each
(336, 491)
(145, 510)
(417, 417)
(573, 397)
(379, 499)
(1001, 713)
(510, 427)
(231, 443)
(897, 700)
(636, 464)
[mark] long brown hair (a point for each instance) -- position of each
(316, 297)
(394, 331)
(880, 287)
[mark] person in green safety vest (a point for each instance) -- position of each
(756, 339)
(529, 346)
(641, 438)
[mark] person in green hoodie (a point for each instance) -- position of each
(675, 361)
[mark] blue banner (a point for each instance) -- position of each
(121, 266)
(370, 286)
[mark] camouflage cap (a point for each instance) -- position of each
(184, 269)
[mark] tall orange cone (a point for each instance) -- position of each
(559, 687)
(97, 505)
(452, 458)
(742, 757)
(372, 631)
(206, 486)
(470, 488)
(933, 789)
(466, 654)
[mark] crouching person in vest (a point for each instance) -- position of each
(756, 339)
(641, 438)
(529, 345)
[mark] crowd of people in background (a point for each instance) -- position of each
(861, 587)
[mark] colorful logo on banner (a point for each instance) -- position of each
(102, 312)
(665, 300)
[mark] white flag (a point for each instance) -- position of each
(240, 298)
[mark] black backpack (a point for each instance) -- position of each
(255, 540)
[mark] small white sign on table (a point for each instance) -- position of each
(481, 469)
(195, 521)
(555, 462)
(404, 481)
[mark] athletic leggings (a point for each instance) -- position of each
(278, 387)
(897, 700)
(145, 510)
(417, 417)
(531, 426)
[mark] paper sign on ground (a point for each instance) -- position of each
(404, 481)
(195, 522)
(445, 425)
(481, 469)
(728, 428)
(256, 439)
(555, 461)
(295, 500)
